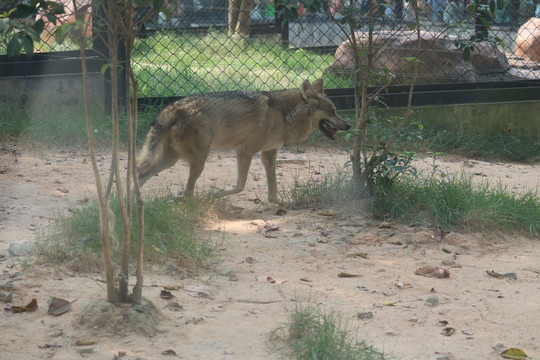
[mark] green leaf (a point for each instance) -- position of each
(104, 69)
(39, 26)
(14, 46)
(492, 6)
(28, 45)
(467, 53)
(55, 8)
(485, 22)
(25, 11)
(514, 353)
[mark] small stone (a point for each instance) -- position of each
(225, 272)
(442, 357)
(5, 296)
(6, 285)
(174, 306)
(448, 262)
(509, 275)
(433, 300)
(365, 315)
(449, 249)
(194, 321)
(497, 345)
(23, 249)
(250, 259)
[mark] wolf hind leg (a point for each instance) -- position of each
(243, 162)
(268, 159)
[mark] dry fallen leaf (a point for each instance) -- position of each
(175, 287)
(360, 254)
(169, 352)
(58, 306)
(389, 303)
(508, 275)
(268, 226)
(85, 342)
(347, 275)
(166, 295)
(326, 213)
(514, 353)
(281, 212)
(30, 307)
(448, 331)
(432, 271)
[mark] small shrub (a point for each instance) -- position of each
(311, 334)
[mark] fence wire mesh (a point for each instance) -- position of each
(195, 51)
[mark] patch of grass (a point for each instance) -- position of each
(316, 335)
(13, 122)
(178, 64)
(449, 203)
(333, 188)
(458, 204)
(170, 233)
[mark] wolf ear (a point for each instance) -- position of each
(318, 85)
(308, 91)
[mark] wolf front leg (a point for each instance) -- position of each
(268, 159)
(196, 167)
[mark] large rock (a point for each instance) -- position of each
(441, 61)
(528, 40)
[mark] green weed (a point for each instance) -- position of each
(170, 233)
(311, 334)
(455, 203)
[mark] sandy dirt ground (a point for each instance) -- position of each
(228, 313)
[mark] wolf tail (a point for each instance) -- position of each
(156, 154)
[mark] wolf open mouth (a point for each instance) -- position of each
(328, 129)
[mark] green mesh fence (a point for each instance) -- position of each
(197, 50)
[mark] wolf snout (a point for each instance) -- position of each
(331, 127)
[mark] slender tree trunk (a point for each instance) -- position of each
(362, 73)
(113, 14)
(103, 199)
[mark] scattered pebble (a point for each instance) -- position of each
(16, 249)
(225, 272)
(174, 306)
(442, 357)
(433, 300)
(365, 315)
(5, 296)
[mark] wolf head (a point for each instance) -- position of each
(325, 117)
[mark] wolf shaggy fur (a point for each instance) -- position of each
(247, 121)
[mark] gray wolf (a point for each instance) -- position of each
(246, 121)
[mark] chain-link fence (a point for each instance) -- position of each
(197, 49)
